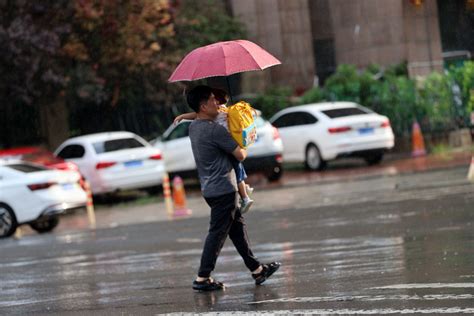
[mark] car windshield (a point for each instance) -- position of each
(117, 144)
(26, 168)
(335, 113)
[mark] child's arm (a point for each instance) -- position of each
(185, 116)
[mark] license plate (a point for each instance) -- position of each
(366, 131)
(67, 186)
(133, 163)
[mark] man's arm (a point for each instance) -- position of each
(240, 153)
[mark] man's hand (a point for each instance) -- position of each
(240, 153)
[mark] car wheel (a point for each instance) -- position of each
(276, 174)
(314, 161)
(8, 222)
(374, 159)
(45, 225)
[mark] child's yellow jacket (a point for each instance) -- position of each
(240, 117)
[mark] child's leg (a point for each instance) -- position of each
(241, 175)
(242, 190)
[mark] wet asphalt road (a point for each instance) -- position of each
(389, 245)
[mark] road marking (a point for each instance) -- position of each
(429, 297)
(425, 286)
(382, 311)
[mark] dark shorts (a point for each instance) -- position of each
(240, 173)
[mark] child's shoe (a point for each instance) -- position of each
(249, 189)
(245, 205)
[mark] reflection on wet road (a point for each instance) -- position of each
(398, 255)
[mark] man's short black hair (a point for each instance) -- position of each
(197, 95)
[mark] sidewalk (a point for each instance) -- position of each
(295, 190)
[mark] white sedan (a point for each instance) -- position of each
(114, 161)
(319, 132)
(35, 195)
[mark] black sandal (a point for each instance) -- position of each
(267, 271)
(208, 285)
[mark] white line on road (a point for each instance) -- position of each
(383, 311)
(425, 286)
(429, 297)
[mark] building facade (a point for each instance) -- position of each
(312, 37)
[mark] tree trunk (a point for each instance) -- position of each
(54, 122)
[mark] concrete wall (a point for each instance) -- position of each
(283, 28)
(368, 31)
(423, 40)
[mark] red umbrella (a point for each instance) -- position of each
(223, 59)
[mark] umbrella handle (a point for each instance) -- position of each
(228, 88)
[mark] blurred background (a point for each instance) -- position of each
(77, 67)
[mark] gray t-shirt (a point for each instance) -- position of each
(212, 145)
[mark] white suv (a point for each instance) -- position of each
(264, 156)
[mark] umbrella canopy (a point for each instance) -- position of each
(223, 59)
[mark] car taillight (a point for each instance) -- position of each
(40, 186)
(385, 124)
(156, 157)
(279, 158)
(343, 129)
(106, 164)
(276, 133)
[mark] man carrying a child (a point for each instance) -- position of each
(213, 148)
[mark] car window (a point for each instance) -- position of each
(117, 144)
(295, 119)
(335, 113)
(26, 168)
(72, 151)
(182, 130)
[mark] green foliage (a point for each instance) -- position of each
(313, 95)
(343, 85)
(437, 100)
(274, 100)
(397, 100)
(464, 77)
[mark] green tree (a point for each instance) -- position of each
(31, 63)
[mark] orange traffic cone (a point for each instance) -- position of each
(167, 195)
(179, 197)
(417, 141)
(470, 174)
(89, 204)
